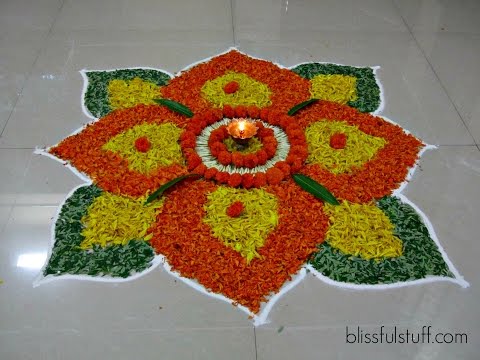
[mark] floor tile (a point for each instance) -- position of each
(19, 52)
(47, 182)
(272, 20)
(13, 165)
(414, 97)
(5, 211)
(441, 15)
(129, 344)
(48, 110)
(161, 17)
(26, 14)
(454, 58)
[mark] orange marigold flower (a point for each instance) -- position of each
(299, 151)
(188, 143)
(217, 147)
(235, 180)
(210, 173)
(231, 87)
(296, 165)
(237, 159)
(142, 144)
(285, 121)
(259, 125)
(262, 157)
(187, 135)
(222, 177)
(228, 111)
(241, 111)
(193, 161)
(235, 209)
(283, 167)
(247, 180)
(264, 114)
(224, 158)
(338, 141)
(274, 176)
(270, 149)
(260, 179)
(212, 115)
(274, 117)
(253, 112)
(200, 169)
(265, 132)
(270, 140)
(250, 161)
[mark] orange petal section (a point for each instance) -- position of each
(190, 248)
(109, 170)
(289, 89)
(379, 176)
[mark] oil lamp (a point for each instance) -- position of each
(241, 130)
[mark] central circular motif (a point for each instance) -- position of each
(283, 147)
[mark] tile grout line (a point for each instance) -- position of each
(39, 52)
(233, 22)
(435, 73)
(255, 339)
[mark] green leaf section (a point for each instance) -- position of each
(420, 258)
(167, 186)
(175, 106)
(300, 106)
(113, 260)
(368, 91)
(96, 95)
(314, 188)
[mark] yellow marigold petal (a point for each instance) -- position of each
(128, 93)
(115, 220)
(249, 231)
(360, 147)
(250, 92)
(165, 148)
(362, 230)
(337, 88)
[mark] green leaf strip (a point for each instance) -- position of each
(175, 106)
(113, 260)
(314, 188)
(300, 106)
(167, 186)
(96, 94)
(368, 90)
(421, 257)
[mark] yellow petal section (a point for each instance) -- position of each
(165, 149)
(115, 220)
(128, 93)
(250, 92)
(362, 230)
(337, 88)
(247, 232)
(359, 149)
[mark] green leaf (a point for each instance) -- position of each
(167, 186)
(175, 106)
(300, 106)
(314, 188)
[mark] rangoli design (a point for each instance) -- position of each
(316, 189)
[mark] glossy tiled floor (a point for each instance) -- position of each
(429, 52)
